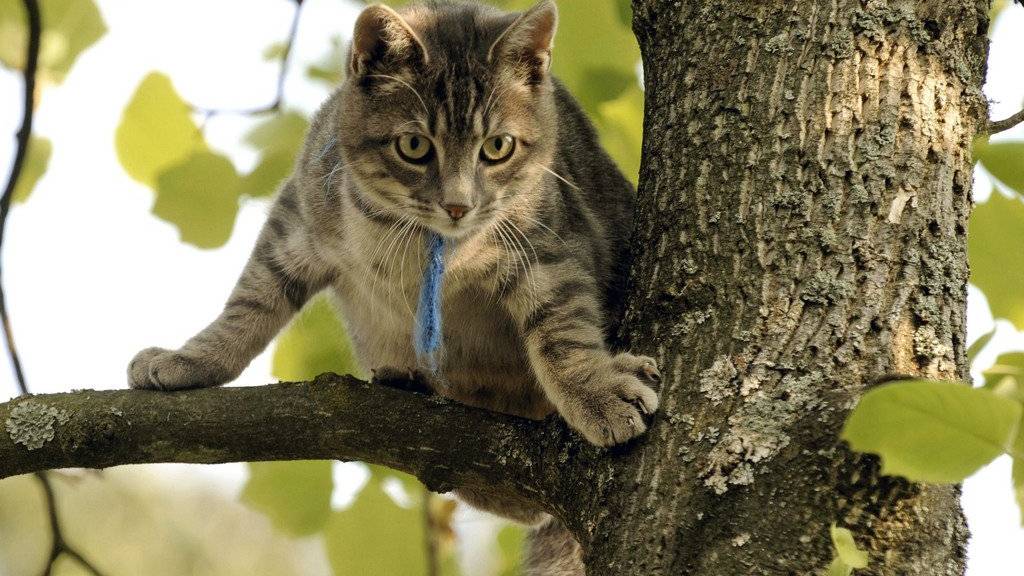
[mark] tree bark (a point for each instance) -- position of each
(801, 235)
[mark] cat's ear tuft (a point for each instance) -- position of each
(383, 39)
(526, 43)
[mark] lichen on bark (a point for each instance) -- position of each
(32, 423)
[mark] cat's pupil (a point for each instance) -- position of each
(414, 143)
(499, 143)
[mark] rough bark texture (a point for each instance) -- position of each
(801, 235)
(442, 442)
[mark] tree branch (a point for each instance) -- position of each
(282, 75)
(59, 544)
(443, 443)
(997, 126)
(23, 136)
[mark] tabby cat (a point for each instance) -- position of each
(449, 123)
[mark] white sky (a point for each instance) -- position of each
(92, 277)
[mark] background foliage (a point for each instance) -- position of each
(391, 522)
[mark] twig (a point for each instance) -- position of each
(282, 75)
(23, 135)
(431, 537)
(60, 545)
(998, 126)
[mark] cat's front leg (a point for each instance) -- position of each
(604, 396)
(282, 273)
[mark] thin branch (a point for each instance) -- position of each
(998, 126)
(430, 529)
(282, 75)
(23, 136)
(59, 544)
(442, 442)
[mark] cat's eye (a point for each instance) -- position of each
(498, 148)
(414, 148)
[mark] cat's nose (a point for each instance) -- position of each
(456, 211)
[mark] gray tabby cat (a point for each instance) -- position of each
(449, 121)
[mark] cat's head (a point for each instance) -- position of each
(448, 114)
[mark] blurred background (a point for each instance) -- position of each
(161, 132)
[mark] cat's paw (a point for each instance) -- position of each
(612, 407)
(161, 369)
(408, 379)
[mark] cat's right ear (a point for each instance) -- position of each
(526, 44)
(382, 41)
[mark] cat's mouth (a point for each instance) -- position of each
(453, 228)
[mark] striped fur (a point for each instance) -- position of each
(536, 274)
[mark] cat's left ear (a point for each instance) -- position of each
(526, 44)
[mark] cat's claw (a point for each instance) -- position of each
(612, 408)
(645, 367)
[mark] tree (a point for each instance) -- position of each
(801, 235)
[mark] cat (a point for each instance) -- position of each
(449, 121)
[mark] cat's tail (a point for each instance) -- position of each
(552, 551)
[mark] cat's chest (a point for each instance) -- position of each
(381, 319)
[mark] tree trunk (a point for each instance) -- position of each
(801, 234)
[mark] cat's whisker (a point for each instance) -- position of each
(383, 269)
(331, 143)
(401, 271)
(393, 255)
(531, 220)
(490, 99)
(510, 256)
(556, 175)
(531, 280)
(407, 85)
(536, 258)
(329, 177)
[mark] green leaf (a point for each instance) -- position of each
(279, 141)
(1018, 485)
(200, 197)
(37, 159)
(156, 130)
(376, 536)
(331, 66)
(625, 12)
(846, 548)
(285, 131)
(1006, 376)
(594, 70)
(512, 543)
(314, 343)
(931, 431)
(296, 496)
(978, 345)
(275, 51)
(1004, 160)
(995, 248)
(847, 556)
(266, 177)
(620, 125)
(69, 28)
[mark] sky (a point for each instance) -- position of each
(92, 277)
